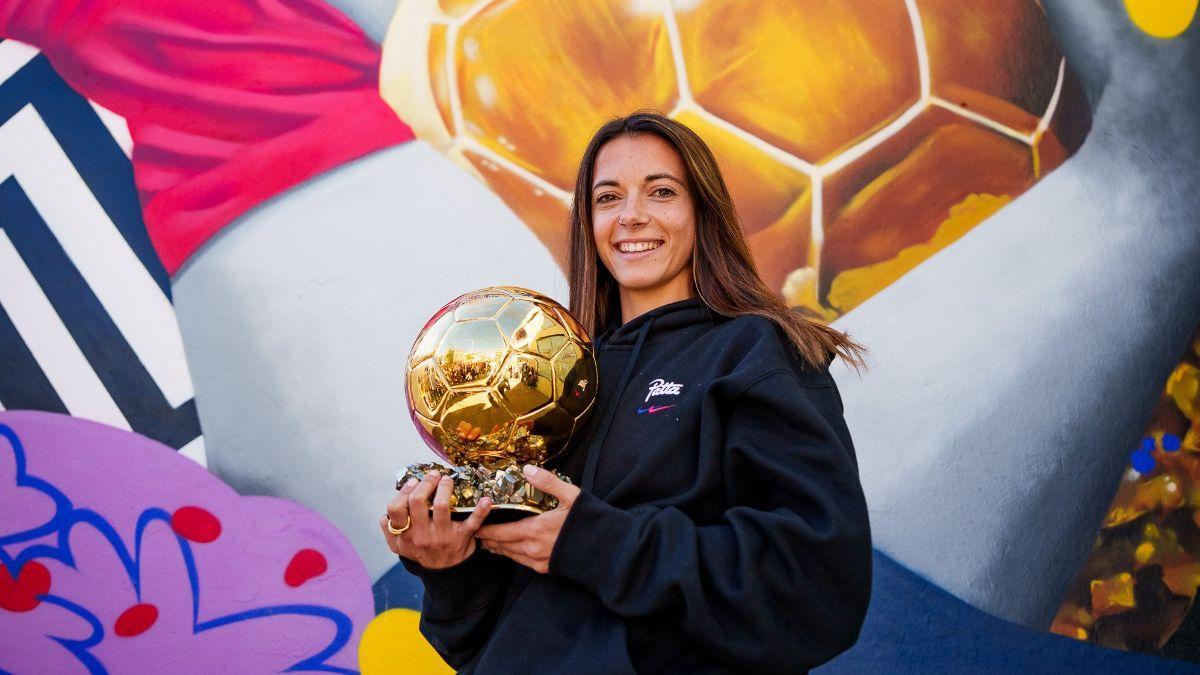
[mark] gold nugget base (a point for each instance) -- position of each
(513, 498)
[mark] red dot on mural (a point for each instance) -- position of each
(305, 565)
(195, 524)
(21, 594)
(136, 620)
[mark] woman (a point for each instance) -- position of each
(718, 524)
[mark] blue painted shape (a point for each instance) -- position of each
(23, 383)
(1148, 444)
(915, 627)
(397, 588)
(1171, 443)
(1143, 462)
(62, 505)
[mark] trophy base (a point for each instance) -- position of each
(513, 498)
(500, 513)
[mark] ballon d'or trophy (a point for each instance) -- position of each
(497, 379)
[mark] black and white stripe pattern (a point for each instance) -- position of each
(86, 322)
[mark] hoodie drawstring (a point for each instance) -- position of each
(593, 452)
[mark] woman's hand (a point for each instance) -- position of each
(436, 541)
(531, 541)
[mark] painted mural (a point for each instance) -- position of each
(234, 218)
(118, 552)
(844, 169)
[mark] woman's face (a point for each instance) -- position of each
(643, 217)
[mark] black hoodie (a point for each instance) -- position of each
(721, 527)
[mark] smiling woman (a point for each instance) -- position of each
(644, 223)
(647, 177)
(714, 521)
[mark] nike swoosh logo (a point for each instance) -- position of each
(653, 409)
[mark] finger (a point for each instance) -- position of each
(441, 502)
(397, 508)
(547, 482)
(418, 501)
(524, 560)
(474, 521)
(507, 532)
(499, 548)
(393, 540)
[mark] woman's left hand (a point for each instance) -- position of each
(531, 541)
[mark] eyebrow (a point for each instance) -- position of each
(649, 179)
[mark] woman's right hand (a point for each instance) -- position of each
(433, 541)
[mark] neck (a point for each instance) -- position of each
(637, 301)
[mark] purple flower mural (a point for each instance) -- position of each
(117, 553)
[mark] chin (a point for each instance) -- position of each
(639, 282)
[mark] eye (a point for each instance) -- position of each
(605, 197)
(663, 192)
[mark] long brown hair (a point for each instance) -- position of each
(723, 271)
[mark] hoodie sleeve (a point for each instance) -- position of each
(461, 604)
(782, 581)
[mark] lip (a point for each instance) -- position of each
(637, 254)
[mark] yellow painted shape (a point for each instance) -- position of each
(852, 287)
(1144, 552)
(392, 643)
(1162, 18)
(1184, 388)
(800, 291)
(1112, 595)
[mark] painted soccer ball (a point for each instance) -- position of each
(500, 375)
(858, 137)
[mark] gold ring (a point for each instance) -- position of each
(392, 528)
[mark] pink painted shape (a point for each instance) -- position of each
(120, 476)
(228, 103)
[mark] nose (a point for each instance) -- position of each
(632, 214)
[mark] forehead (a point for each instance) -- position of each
(633, 157)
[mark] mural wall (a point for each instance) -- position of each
(235, 217)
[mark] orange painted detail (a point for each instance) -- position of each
(579, 62)
(1150, 530)
(1112, 595)
(810, 78)
(972, 60)
(846, 129)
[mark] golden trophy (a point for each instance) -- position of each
(498, 378)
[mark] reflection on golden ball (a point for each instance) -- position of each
(500, 375)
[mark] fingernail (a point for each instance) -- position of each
(412, 482)
(486, 501)
(530, 471)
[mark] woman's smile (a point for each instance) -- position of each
(631, 249)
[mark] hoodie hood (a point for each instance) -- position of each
(668, 318)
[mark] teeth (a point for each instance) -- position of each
(636, 247)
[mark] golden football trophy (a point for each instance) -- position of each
(498, 378)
